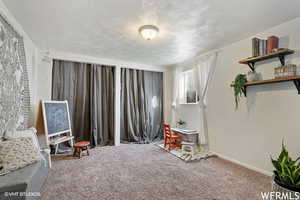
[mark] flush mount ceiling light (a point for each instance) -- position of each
(148, 32)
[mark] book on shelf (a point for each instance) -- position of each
(266, 46)
(273, 43)
(255, 46)
(262, 47)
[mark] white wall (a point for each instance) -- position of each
(269, 114)
(31, 58)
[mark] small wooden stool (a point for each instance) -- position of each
(79, 147)
(188, 148)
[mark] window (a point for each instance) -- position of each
(187, 88)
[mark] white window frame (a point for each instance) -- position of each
(182, 88)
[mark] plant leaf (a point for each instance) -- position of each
(284, 153)
(276, 165)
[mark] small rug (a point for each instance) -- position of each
(200, 155)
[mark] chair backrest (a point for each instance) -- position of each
(167, 130)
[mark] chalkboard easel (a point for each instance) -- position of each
(57, 123)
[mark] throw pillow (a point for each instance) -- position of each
(31, 132)
(17, 153)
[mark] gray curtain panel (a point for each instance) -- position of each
(89, 90)
(102, 104)
(141, 105)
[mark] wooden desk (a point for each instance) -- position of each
(189, 141)
(187, 135)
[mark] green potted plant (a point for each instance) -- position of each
(238, 87)
(181, 123)
(286, 173)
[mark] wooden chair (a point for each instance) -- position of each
(173, 140)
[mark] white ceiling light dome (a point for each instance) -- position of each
(149, 32)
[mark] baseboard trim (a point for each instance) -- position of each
(262, 171)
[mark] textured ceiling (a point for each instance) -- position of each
(109, 28)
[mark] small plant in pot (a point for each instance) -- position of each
(181, 123)
(239, 87)
(286, 173)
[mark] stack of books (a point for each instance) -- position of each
(261, 46)
(285, 71)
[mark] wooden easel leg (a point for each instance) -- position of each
(80, 150)
(56, 149)
(75, 151)
(49, 160)
(72, 143)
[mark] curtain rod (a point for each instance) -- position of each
(107, 63)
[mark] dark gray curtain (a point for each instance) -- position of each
(89, 90)
(141, 105)
(102, 104)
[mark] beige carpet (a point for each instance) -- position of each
(147, 172)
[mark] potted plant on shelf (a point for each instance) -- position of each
(181, 123)
(238, 87)
(286, 177)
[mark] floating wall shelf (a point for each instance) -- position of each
(295, 79)
(280, 54)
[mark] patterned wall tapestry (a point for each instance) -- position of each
(14, 87)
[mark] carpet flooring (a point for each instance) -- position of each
(147, 172)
